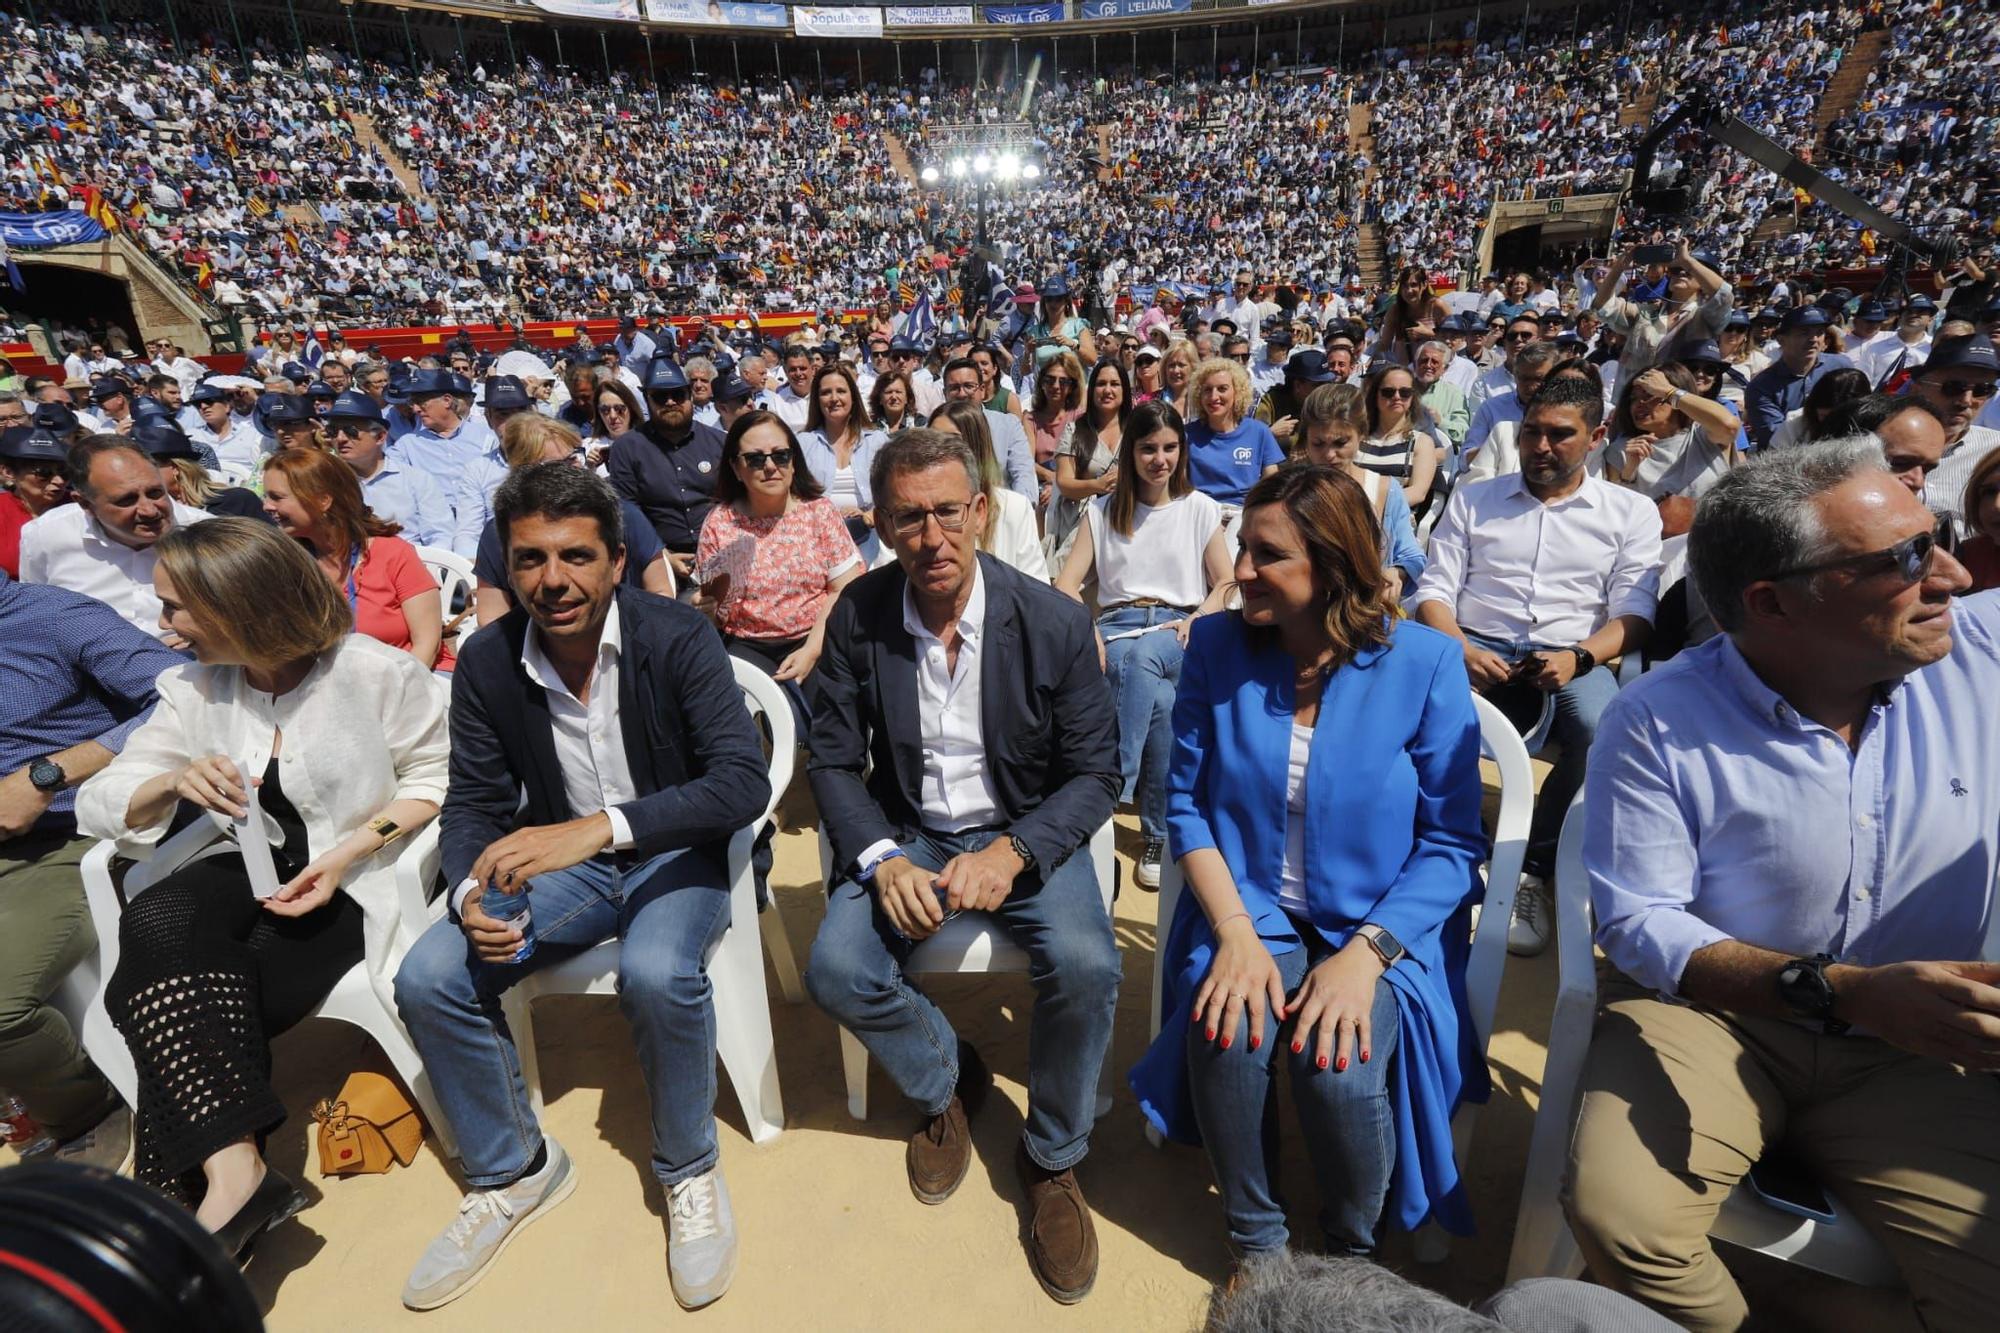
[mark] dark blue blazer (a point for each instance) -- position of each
(1050, 724)
(697, 761)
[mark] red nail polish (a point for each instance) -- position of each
(1364, 1057)
(1322, 1062)
(1211, 1034)
(1298, 1048)
(1342, 1066)
(1225, 1043)
(1255, 1042)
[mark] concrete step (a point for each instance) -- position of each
(366, 135)
(1850, 78)
(899, 156)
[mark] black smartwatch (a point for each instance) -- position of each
(1021, 850)
(1803, 986)
(1585, 659)
(46, 775)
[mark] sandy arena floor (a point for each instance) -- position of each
(831, 1237)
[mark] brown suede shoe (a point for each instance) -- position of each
(1062, 1240)
(940, 1152)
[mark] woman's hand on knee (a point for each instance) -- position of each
(1242, 978)
(1334, 1005)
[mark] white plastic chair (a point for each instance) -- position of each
(453, 573)
(1501, 743)
(735, 966)
(972, 943)
(1543, 1245)
(352, 1000)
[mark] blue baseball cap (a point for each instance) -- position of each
(298, 372)
(1738, 319)
(733, 389)
(282, 409)
(665, 374)
(205, 392)
(507, 393)
(903, 342)
(1972, 352)
(1923, 303)
(1705, 350)
(111, 386)
(163, 439)
(1872, 310)
(355, 406)
(1309, 367)
(1803, 317)
(1054, 289)
(55, 417)
(429, 383)
(33, 444)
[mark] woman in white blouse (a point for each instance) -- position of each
(839, 446)
(1011, 534)
(208, 972)
(1156, 547)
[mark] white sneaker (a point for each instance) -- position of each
(1146, 871)
(1528, 932)
(487, 1221)
(701, 1239)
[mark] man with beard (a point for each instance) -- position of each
(668, 467)
(1544, 574)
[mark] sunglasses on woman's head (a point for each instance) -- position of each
(756, 461)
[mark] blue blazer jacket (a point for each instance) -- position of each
(1392, 836)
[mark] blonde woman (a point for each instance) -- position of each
(1176, 374)
(532, 438)
(1228, 449)
(208, 972)
(1010, 520)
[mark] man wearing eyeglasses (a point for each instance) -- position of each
(1789, 839)
(668, 467)
(963, 753)
(1958, 381)
(394, 491)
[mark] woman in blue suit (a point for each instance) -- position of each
(1323, 800)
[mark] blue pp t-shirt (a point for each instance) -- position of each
(642, 548)
(1226, 466)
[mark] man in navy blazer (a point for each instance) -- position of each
(975, 694)
(601, 759)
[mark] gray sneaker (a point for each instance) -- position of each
(487, 1220)
(701, 1239)
(108, 1144)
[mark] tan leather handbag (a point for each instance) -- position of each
(368, 1128)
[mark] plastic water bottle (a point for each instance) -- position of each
(19, 1131)
(512, 909)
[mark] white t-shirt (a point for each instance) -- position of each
(1292, 877)
(1163, 556)
(843, 492)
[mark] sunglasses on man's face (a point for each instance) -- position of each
(670, 395)
(1958, 388)
(758, 460)
(1910, 560)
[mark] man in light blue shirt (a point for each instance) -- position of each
(1790, 836)
(444, 442)
(393, 490)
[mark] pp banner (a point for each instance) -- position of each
(1024, 14)
(1125, 9)
(627, 10)
(929, 16)
(821, 21)
(69, 226)
(718, 13)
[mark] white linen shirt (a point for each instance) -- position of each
(957, 791)
(337, 774)
(68, 547)
(1510, 567)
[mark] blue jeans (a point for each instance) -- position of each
(1345, 1115)
(856, 975)
(1579, 705)
(668, 912)
(1144, 672)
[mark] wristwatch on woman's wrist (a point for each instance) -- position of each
(1386, 946)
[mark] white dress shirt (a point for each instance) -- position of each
(68, 547)
(1513, 568)
(792, 408)
(590, 746)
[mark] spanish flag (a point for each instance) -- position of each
(99, 209)
(589, 200)
(204, 276)
(806, 189)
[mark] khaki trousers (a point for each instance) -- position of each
(44, 932)
(1679, 1102)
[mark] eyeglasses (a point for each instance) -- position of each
(910, 522)
(354, 429)
(1523, 335)
(1678, 273)
(1057, 379)
(758, 460)
(671, 395)
(1953, 388)
(1238, 356)
(1910, 559)
(1389, 391)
